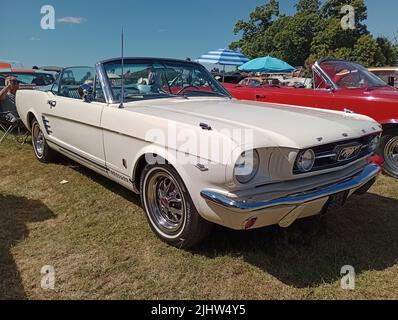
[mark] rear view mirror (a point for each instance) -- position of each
(391, 81)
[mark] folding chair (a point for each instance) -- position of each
(9, 123)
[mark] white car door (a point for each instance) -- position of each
(73, 124)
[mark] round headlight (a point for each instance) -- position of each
(306, 160)
(374, 144)
(247, 166)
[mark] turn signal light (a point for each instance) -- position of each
(250, 223)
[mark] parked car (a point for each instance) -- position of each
(387, 74)
(296, 162)
(345, 86)
(28, 78)
(252, 82)
(228, 78)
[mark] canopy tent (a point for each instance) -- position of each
(267, 64)
(4, 63)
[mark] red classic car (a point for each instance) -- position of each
(339, 85)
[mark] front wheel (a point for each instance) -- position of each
(169, 208)
(389, 149)
(43, 152)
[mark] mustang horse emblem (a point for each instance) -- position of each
(348, 153)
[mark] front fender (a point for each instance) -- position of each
(187, 166)
(27, 120)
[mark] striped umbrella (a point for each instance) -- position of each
(224, 57)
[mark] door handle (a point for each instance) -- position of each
(260, 96)
(52, 103)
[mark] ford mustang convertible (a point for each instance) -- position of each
(166, 129)
(339, 85)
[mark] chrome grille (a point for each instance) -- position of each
(339, 154)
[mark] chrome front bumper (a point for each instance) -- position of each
(245, 206)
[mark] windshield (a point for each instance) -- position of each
(350, 75)
(386, 75)
(161, 80)
(35, 79)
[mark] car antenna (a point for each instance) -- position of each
(121, 106)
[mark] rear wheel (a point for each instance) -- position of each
(42, 151)
(169, 208)
(389, 149)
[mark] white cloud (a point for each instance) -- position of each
(72, 20)
(34, 39)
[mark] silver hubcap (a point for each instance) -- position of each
(391, 154)
(165, 203)
(38, 141)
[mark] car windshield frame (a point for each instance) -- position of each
(362, 74)
(134, 88)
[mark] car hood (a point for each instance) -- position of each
(271, 124)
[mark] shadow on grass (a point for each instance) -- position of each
(364, 234)
(15, 213)
(312, 251)
(103, 181)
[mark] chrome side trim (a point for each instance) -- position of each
(244, 205)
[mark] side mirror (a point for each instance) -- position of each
(329, 88)
(86, 92)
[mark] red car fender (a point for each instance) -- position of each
(389, 121)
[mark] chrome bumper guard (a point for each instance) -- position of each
(241, 205)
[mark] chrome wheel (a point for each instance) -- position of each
(38, 141)
(391, 154)
(165, 203)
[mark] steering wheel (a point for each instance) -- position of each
(185, 88)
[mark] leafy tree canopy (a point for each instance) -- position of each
(313, 32)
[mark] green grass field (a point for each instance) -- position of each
(95, 234)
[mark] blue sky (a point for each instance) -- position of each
(173, 28)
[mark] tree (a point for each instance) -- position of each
(253, 30)
(290, 37)
(368, 53)
(389, 50)
(312, 6)
(314, 31)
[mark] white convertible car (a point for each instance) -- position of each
(167, 130)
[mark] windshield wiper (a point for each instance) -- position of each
(176, 95)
